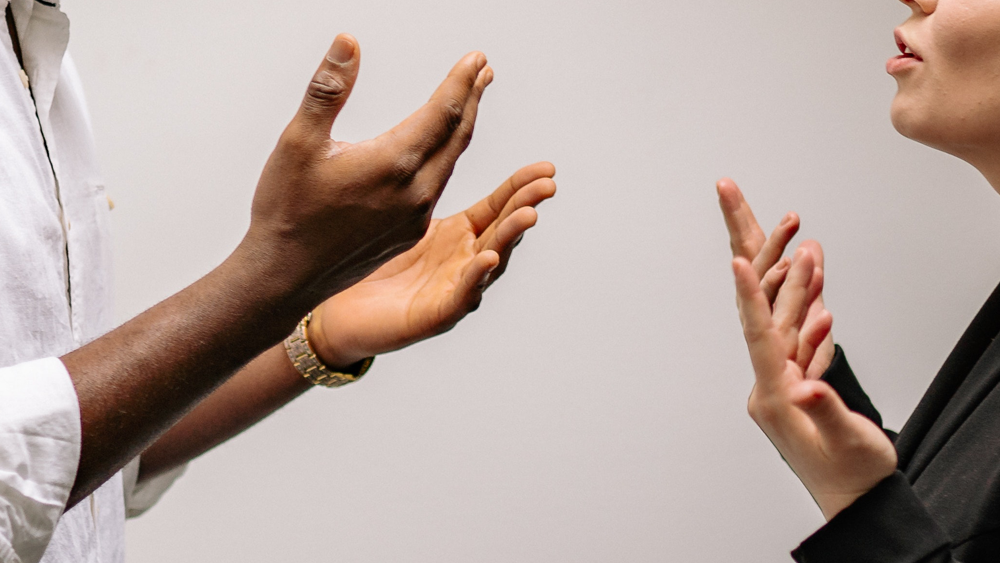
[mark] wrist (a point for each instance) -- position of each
(326, 350)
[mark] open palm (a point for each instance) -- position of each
(427, 290)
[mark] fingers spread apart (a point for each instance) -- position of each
(483, 214)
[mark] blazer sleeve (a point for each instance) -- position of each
(841, 377)
(889, 524)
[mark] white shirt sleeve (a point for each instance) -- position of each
(140, 497)
(40, 439)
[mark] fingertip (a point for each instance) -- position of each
(549, 188)
(491, 259)
(804, 258)
(347, 37)
(343, 50)
(486, 263)
(826, 319)
(530, 217)
(541, 169)
(814, 247)
(479, 59)
(522, 219)
(728, 195)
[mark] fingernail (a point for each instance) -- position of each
(786, 220)
(480, 61)
(489, 76)
(342, 51)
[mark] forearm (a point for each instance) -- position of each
(136, 382)
(324, 216)
(265, 385)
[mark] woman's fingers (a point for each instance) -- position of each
(485, 213)
(793, 298)
(826, 410)
(768, 357)
(745, 235)
(816, 249)
(770, 253)
(814, 332)
(774, 278)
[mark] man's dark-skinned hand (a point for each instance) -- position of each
(326, 214)
(420, 293)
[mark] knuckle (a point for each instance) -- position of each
(452, 113)
(753, 408)
(405, 168)
(423, 206)
(465, 130)
(326, 88)
(761, 411)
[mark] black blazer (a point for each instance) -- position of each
(943, 503)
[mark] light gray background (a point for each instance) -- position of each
(594, 408)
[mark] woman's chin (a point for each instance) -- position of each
(919, 126)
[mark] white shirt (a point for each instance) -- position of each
(55, 296)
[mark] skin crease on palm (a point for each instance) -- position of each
(948, 77)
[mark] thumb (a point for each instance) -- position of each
(330, 87)
(826, 409)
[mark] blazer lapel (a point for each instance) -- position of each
(969, 373)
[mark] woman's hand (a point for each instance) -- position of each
(431, 287)
(748, 241)
(838, 454)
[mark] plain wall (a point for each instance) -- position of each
(594, 408)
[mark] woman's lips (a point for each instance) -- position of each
(901, 63)
(908, 59)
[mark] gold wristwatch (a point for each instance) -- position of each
(309, 365)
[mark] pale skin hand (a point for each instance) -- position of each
(325, 216)
(428, 289)
(838, 455)
(421, 293)
(747, 240)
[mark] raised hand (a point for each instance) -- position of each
(838, 455)
(326, 213)
(748, 241)
(431, 287)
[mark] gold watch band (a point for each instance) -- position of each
(309, 365)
